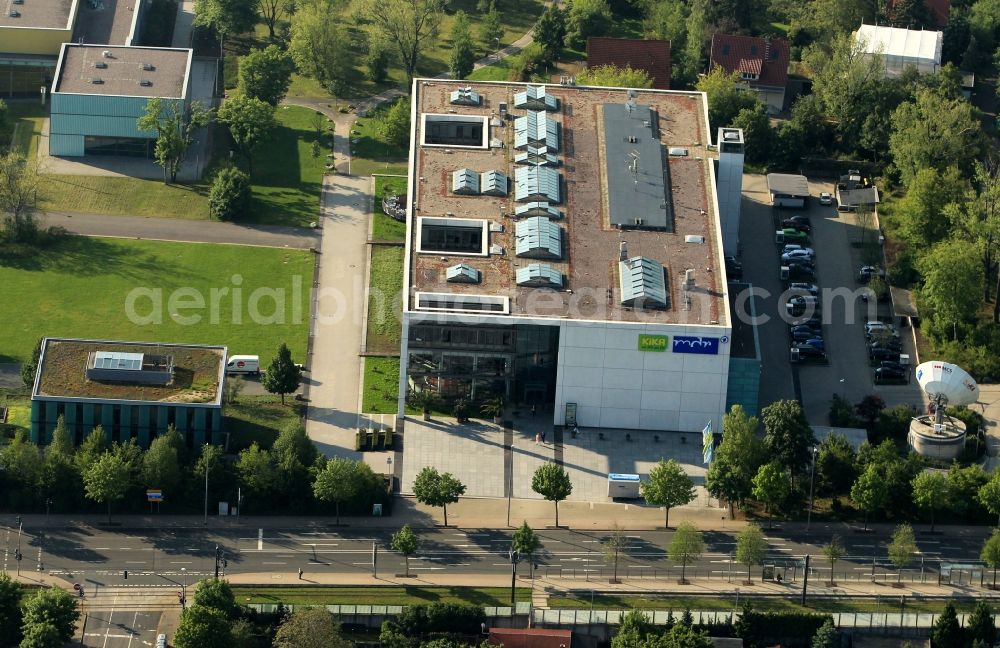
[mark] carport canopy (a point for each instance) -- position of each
(903, 304)
(787, 184)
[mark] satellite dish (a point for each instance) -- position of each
(946, 383)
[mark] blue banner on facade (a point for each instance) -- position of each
(692, 344)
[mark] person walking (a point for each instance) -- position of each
(300, 573)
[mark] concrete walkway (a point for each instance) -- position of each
(183, 24)
(188, 231)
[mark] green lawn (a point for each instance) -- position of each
(259, 418)
(384, 304)
(385, 228)
(27, 119)
(498, 71)
(582, 600)
(18, 411)
(370, 153)
(79, 288)
(286, 182)
(381, 387)
(287, 177)
(379, 595)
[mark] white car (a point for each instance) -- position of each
(812, 289)
(879, 327)
(826, 198)
(794, 247)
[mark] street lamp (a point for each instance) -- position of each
(183, 587)
(514, 557)
(17, 552)
(812, 479)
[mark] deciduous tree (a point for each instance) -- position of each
(310, 627)
(161, 467)
(256, 471)
(902, 548)
(989, 495)
(229, 198)
(686, 546)
(107, 480)
(788, 437)
(770, 486)
(615, 77)
(552, 482)
(225, 17)
(174, 132)
(250, 122)
(463, 52)
(266, 73)
(337, 482)
(526, 542)
(869, 490)
(215, 593)
(394, 127)
(408, 24)
(726, 97)
(20, 188)
(437, 489)
(21, 459)
(29, 368)
(203, 627)
(835, 464)
(730, 475)
(10, 609)
(550, 31)
(750, 547)
(406, 543)
(586, 18)
(54, 607)
(271, 11)
(667, 486)
(953, 283)
(846, 82)
(834, 551)
(933, 132)
(613, 547)
(320, 45)
(491, 29)
(990, 553)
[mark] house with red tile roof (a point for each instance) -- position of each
(650, 56)
(762, 64)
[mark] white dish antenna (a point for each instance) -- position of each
(946, 383)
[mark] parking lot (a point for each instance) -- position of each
(846, 371)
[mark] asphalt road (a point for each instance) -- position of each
(172, 229)
(178, 557)
(120, 628)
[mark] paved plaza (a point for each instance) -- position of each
(475, 453)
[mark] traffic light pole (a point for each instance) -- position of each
(17, 552)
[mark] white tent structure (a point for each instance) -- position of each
(901, 47)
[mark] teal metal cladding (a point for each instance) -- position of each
(75, 116)
(743, 386)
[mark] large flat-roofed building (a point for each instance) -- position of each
(133, 390)
(593, 282)
(100, 91)
(31, 33)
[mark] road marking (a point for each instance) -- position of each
(102, 548)
(135, 622)
(124, 548)
(180, 562)
(320, 544)
(274, 563)
(135, 562)
(284, 556)
(929, 541)
(260, 539)
(369, 563)
(424, 568)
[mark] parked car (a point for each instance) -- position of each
(874, 325)
(826, 198)
(789, 259)
(816, 342)
(811, 330)
(888, 374)
(805, 253)
(790, 234)
(807, 352)
(800, 223)
(803, 334)
(804, 288)
(798, 305)
(795, 246)
(895, 366)
(814, 321)
(880, 354)
(798, 271)
(734, 269)
(866, 273)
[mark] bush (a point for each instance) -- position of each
(229, 197)
(421, 620)
(893, 423)
(769, 628)
(842, 412)
(531, 62)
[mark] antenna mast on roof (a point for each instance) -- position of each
(633, 167)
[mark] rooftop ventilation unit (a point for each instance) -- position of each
(465, 182)
(97, 80)
(538, 238)
(107, 54)
(643, 283)
(539, 275)
(19, 2)
(462, 273)
(148, 67)
(100, 65)
(145, 83)
(494, 183)
(14, 13)
(535, 98)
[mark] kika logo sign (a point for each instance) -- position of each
(653, 343)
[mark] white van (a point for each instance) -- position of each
(243, 364)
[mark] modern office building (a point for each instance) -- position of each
(31, 33)
(133, 390)
(595, 288)
(100, 91)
